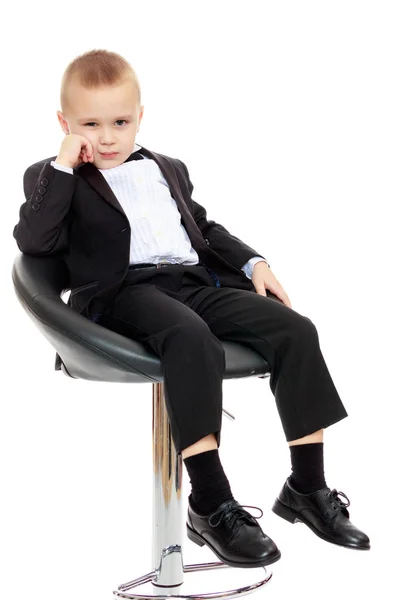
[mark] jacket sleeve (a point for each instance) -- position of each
(43, 218)
(230, 247)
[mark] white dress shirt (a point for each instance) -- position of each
(153, 215)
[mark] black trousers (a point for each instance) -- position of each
(178, 312)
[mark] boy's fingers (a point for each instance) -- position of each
(86, 153)
(87, 150)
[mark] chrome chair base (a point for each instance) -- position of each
(168, 520)
(151, 577)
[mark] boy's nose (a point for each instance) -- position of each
(106, 141)
(106, 137)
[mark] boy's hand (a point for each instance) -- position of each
(74, 150)
(263, 278)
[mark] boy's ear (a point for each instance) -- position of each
(63, 122)
(141, 110)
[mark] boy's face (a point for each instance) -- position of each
(109, 117)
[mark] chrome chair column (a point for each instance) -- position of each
(168, 571)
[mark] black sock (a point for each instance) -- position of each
(210, 486)
(307, 467)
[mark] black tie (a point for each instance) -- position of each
(134, 156)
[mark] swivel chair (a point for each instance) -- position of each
(90, 351)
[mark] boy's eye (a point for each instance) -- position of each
(117, 121)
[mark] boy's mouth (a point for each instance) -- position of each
(108, 154)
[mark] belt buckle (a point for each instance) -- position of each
(162, 263)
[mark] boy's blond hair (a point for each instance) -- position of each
(94, 69)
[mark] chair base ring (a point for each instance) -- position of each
(235, 593)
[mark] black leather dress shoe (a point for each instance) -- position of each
(233, 534)
(324, 512)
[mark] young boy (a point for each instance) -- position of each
(144, 261)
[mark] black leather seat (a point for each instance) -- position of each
(90, 351)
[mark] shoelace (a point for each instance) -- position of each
(232, 513)
(337, 502)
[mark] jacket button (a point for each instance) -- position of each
(39, 198)
(35, 206)
(41, 189)
(44, 181)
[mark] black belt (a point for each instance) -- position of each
(158, 265)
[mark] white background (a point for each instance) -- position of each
(287, 116)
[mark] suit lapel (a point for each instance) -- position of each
(93, 176)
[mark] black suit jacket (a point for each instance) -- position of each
(79, 218)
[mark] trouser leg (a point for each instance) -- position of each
(193, 359)
(305, 394)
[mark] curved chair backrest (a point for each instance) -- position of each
(87, 349)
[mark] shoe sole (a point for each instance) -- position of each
(197, 539)
(289, 515)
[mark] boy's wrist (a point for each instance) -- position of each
(64, 163)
